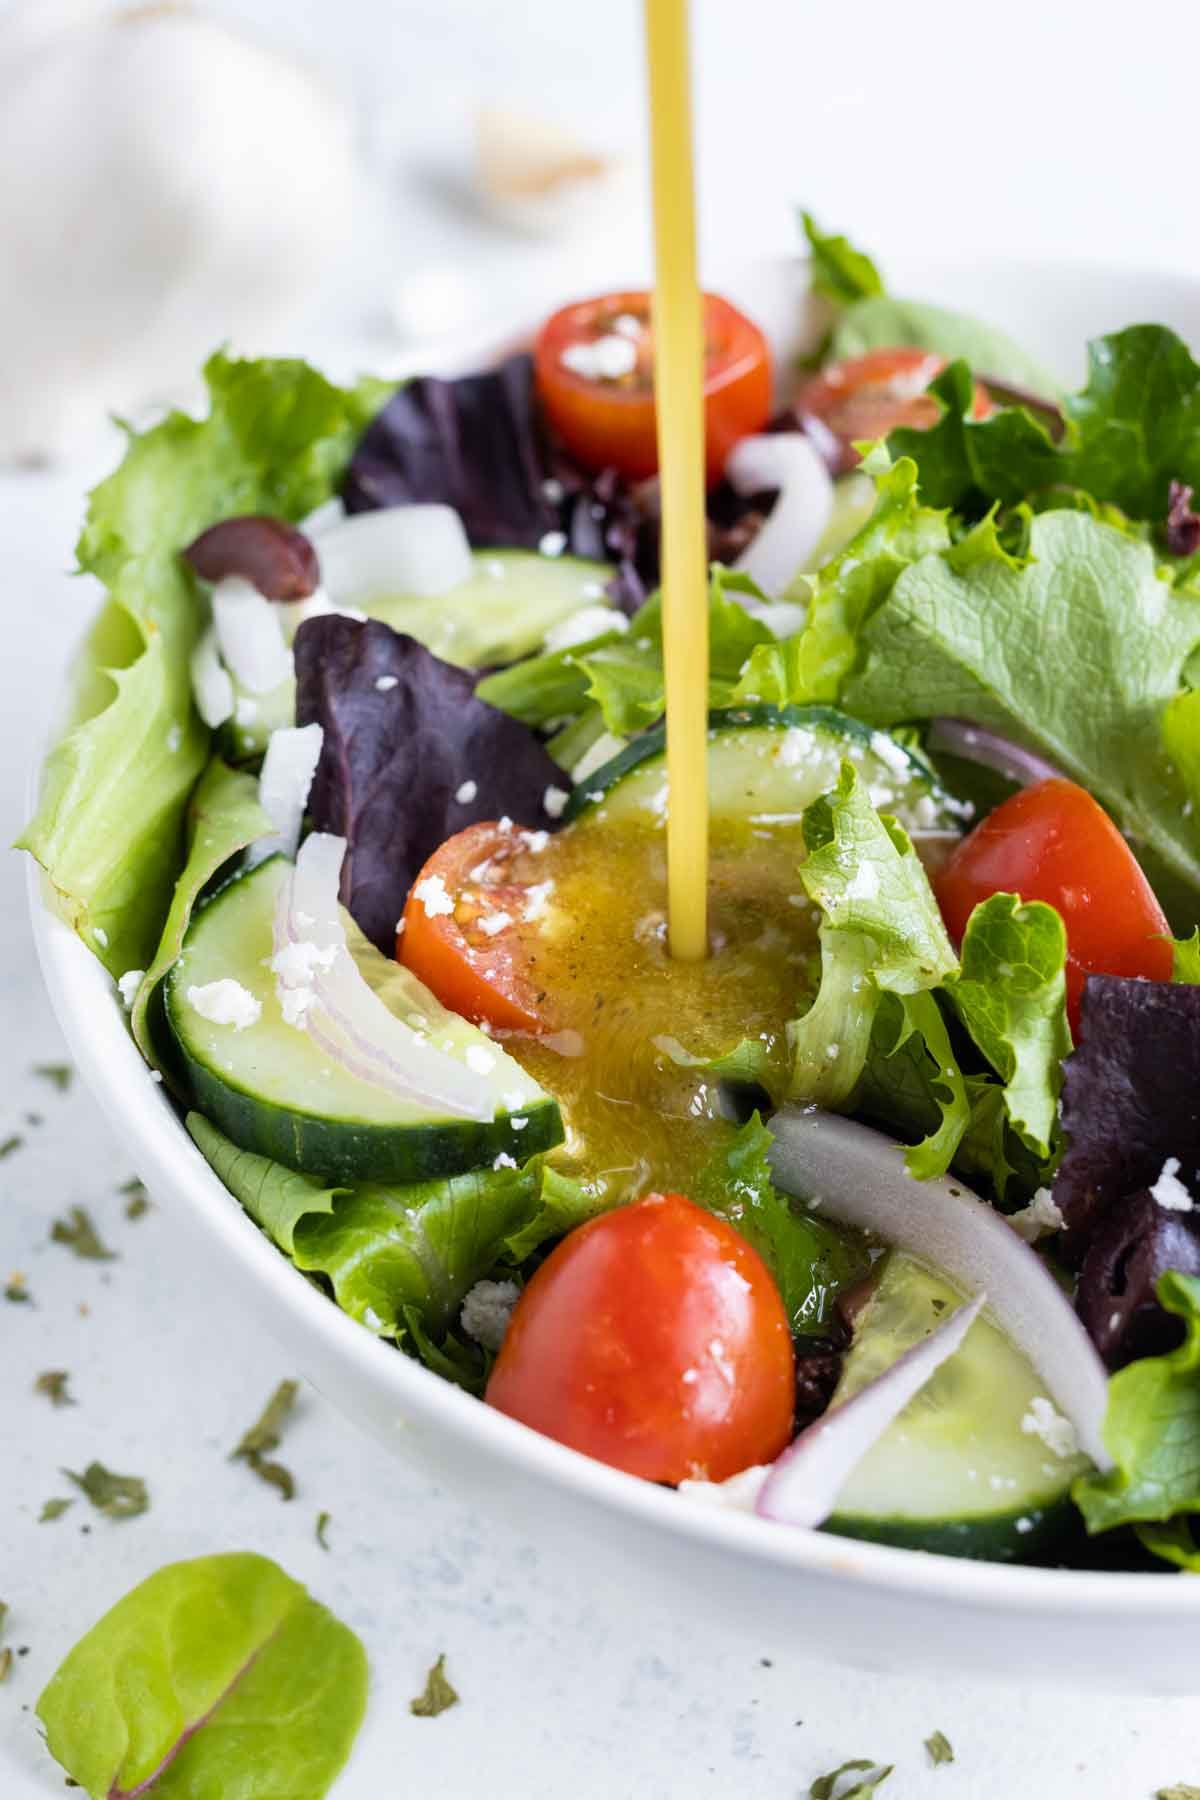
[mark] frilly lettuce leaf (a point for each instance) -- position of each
(1011, 996)
(109, 827)
(223, 816)
(912, 1082)
(1131, 431)
(388, 1249)
(1076, 655)
(881, 931)
(1152, 1430)
(215, 1677)
(838, 270)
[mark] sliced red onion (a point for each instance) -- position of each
(804, 1483)
(283, 786)
(786, 462)
(858, 1177)
(212, 689)
(958, 737)
(250, 636)
(322, 991)
(400, 550)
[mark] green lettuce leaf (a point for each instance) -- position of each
(626, 677)
(384, 1249)
(1152, 1429)
(1131, 430)
(811, 1260)
(1011, 996)
(838, 270)
(1075, 655)
(1185, 964)
(912, 1082)
(109, 826)
(813, 665)
(881, 931)
(215, 1677)
(544, 688)
(883, 321)
(223, 816)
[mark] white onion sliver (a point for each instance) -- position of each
(250, 635)
(785, 461)
(858, 1177)
(283, 787)
(399, 1059)
(211, 687)
(958, 737)
(804, 1483)
(400, 550)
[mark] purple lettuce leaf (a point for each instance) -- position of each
(404, 733)
(1117, 1297)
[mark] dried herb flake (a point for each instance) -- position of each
(1182, 1790)
(827, 1787)
(59, 1075)
(117, 1496)
(6, 1663)
(939, 1748)
(264, 1436)
(138, 1201)
(53, 1383)
(322, 1528)
(10, 1144)
(79, 1234)
(53, 1509)
(17, 1292)
(437, 1694)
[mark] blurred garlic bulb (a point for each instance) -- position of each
(165, 185)
(537, 178)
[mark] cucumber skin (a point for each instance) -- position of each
(993, 1539)
(342, 1153)
(653, 743)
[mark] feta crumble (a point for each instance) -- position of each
(486, 1310)
(385, 683)
(890, 753)
(494, 923)
(225, 1002)
(552, 543)
(296, 964)
(128, 985)
(504, 1161)
(607, 358)
(431, 892)
(1038, 1219)
(466, 792)
(554, 802)
(739, 1493)
(1169, 1191)
(1057, 1433)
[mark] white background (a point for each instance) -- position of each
(1063, 128)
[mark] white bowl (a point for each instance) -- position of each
(864, 1604)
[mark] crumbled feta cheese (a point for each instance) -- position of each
(400, 925)
(537, 898)
(480, 1060)
(294, 1003)
(494, 923)
(504, 823)
(1058, 1434)
(128, 985)
(486, 1310)
(101, 937)
(156, 1075)
(1169, 1191)
(536, 841)
(552, 543)
(833, 1051)
(553, 491)
(385, 683)
(431, 892)
(466, 792)
(1038, 1219)
(581, 626)
(225, 1002)
(739, 1492)
(554, 802)
(296, 964)
(1024, 1525)
(795, 747)
(628, 325)
(890, 753)
(504, 1161)
(518, 1123)
(607, 358)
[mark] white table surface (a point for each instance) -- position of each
(565, 1690)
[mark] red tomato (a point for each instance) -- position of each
(607, 420)
(1052, 842)
(654, 1339)
(482, 975)
(868, 396)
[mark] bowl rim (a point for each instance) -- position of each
(94, 1021)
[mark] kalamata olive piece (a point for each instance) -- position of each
(274, 557)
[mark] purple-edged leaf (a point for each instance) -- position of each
(218, 1676)
(1117, 1298)
(1131, 1099)
(404, 735)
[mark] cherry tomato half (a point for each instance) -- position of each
(448, 937)
(868, 396)
(654, 1339)
(594, 370)
(1052, 842)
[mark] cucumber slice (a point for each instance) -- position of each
(769, 762)
(501, 614)
(274, 1091)
(955, 1472)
